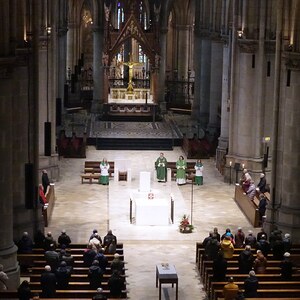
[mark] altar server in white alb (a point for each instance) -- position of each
(199, 172)
(104, 167)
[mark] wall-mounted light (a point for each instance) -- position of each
(48, 29)
(240, 33)
(87, 18)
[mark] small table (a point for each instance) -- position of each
(166, 273)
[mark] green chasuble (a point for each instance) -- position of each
(161, 169)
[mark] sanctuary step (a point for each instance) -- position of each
(134, 144)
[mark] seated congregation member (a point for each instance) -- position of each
(102, 259)
(89, 255)
(264, 246)
(181, 170)
(251, 286)
(287, 242)
(48, 241)
(95, 233)
(66, 256)
(230, 290)
(212, 248)
(217, 234)
(117, 264)
(161, 168)
(206, 240)
(278, 249)
(245, 180)
(25, 244)
(262, 183)
(275, 235)
(63, 275)
(96, 242)
(199, 172)
(52, 258)
(95, 275)
(104, 176)
(64, 240)
(110, 242)
(24, 291)
(250, 239)
(39, 239)
(251, 191)
(286, 267)
(227, 233)
(260, 233)
(262, 206)
(115, 284)
(227, 247)
(239, 238)
(260, 263)
(48, 283)
(246, 260)
(219, 268)
(99, 295)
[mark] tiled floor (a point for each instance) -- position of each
(80, 208)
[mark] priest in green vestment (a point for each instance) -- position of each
(104, 176)
(161, 168)
(181, 166)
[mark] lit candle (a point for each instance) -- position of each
(230, 163)
(243, 165)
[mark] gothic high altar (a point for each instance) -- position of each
(131, 62)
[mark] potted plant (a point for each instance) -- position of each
(185, 226)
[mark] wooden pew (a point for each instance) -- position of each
(270, 293)
(92, 171)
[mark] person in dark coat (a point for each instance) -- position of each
(95, 275)
(110, 242)
(286, 267)
(66, 256)
(89, 255)
(287, 242)
(278, 249)
(239, 238)
(262, 183)
(48, 283)
(219, 268)
(262, 205)
(217, 234)
(102, 259)
(63, 274)
(24, 292)
(115, 284)
(246, 260)
(49, 240)
(251, 286)
(212, 248)
(39, 239)
(64, 240)
(52, 258)
(45, 181)
(117, 264)
(250, 239)
(259, 234)
(263, 245)
(25, 244)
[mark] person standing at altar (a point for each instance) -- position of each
(161, 168)
(199, 172)
(104, 177)
(181, 170)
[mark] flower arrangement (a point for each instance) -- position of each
(185, 226)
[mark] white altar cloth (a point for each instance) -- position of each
(151, 212)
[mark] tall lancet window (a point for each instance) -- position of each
(120, 11)
(142, 15)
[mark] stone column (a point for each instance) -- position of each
(98, 76)
(183, 50)
(224, 134)
(8, 250)
(197, 64)
(215, 87)
(162, 70)
(71, 45)
(205, 82)
(288, 171)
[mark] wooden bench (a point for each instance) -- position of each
(268, 293)
(92, 171)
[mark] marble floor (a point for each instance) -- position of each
(79, 208)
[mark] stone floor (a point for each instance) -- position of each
(80, 208)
